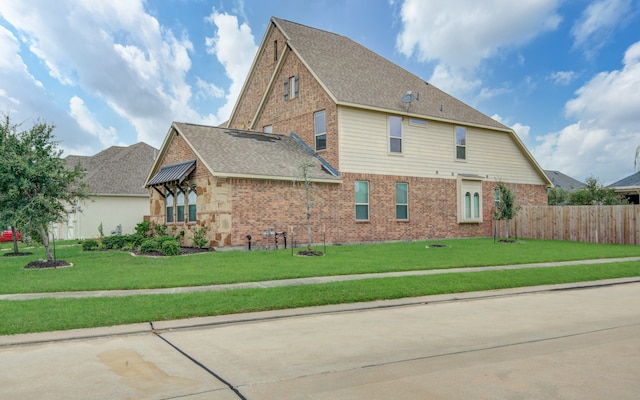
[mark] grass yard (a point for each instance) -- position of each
(105, 270)
(119, 270)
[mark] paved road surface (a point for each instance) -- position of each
(514, 344)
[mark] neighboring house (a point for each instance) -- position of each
(397, 158)
(118, 200)
(629, 187)
(564, 182)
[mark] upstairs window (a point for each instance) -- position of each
(402, 201)
(169, 205)
(461, 143)
(320, 129)
(395, 134)
(291, 88)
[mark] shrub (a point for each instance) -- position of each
(161, 230)
(89, 245)
(148, 246)
(199, 239)
(164, 238)
(135, 239)
(143, 228)
(114, 242)
(170, 248)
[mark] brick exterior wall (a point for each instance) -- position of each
(286, 116)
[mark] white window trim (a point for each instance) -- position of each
(455, 143)
(471, 185)
(315, 134)
(355, 208)
(402, 204)
(400, 138)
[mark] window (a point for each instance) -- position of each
(290, 88)
(268, 129)
(461, 143)
(496, 197)
(362, 200)
(180, 206)
(275, 50)
(169, 202)
(402, 201)
(192, 204)
(395, 134)
(320, 130)
(470, 200)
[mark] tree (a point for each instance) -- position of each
(37, 187)
(595, 194)
(307, 188)
(506, 209)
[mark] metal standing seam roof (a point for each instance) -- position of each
(173, 173)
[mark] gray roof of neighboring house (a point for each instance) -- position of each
(237, 153)
(563, 181)
(117, 170)
(632, 180)
(355, 75)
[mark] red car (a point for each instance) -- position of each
(7, 236)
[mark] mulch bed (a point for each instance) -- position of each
(12, 254)
(311, 253)
(47, 264)
(183, 251)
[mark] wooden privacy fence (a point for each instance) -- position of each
(595, 224)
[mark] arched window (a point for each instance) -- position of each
(476, 205)
(467, 205)
(192, 204)
(180, 206)
(169, 205)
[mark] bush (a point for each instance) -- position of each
(148, 246)
(199, 239)
(161, 230)
(164, 238)
(90, 244)
(135, 239)
(115, 242)
(143, 228)
(170, 248)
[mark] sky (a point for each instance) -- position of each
(564, 74)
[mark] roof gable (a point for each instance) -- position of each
(247, 154)
(356, 76)
(117, 170)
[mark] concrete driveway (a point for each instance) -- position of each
(529, 343)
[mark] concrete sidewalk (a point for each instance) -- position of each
(301, 281)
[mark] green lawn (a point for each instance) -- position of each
(119, 270)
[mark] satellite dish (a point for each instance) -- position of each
(408, 97)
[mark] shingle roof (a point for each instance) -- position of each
(563, 181)
(632, 180)
(237, 153)
(117, 170)
(356, 75)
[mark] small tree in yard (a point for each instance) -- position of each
(307, 189)
(36, 185)
(506, 209)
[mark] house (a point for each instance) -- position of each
(394, 157)
(629, 187)
(564, 182)
(118, 200)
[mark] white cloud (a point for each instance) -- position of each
(598, 21)
(603, 140)
(79, 111)
(459, 41)
(206, 90)
(114, 52)
(234, 46)
(462, 33)
(562, 78)
(521, 130)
